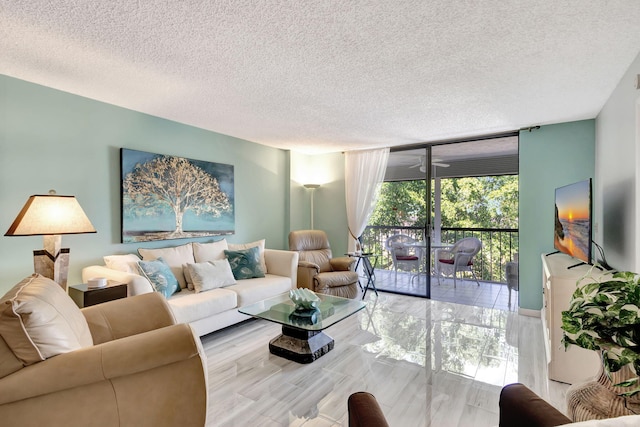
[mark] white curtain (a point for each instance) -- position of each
(364, 173)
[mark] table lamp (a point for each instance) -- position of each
(51, 216)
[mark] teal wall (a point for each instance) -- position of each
(54, 140)
(550, 157)
(330, 205)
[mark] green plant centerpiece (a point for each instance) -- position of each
(604, 316)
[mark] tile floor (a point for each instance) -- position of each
(429, 363)
(488, 294)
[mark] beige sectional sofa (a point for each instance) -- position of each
(210, 310)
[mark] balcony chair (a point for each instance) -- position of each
(457, 258)
(405, 256)
(318, 270)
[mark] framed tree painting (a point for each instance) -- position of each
(169, 197)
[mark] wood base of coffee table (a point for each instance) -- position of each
(301, 346)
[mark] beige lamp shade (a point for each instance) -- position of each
(50, 214)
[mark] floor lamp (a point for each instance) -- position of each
(51, 216)
(312, 187)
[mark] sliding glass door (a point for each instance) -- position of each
(435, 195)
(399, 229)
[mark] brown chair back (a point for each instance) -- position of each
(364, 411)
(312, 246)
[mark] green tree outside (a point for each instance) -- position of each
(483, 202)
(489, 202)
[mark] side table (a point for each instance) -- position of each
(368, 269)
(85, 297)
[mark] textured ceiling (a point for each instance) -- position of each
(321, 75)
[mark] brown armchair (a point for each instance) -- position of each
(521, 407)
(142, 370)
(318, 270)
(364, 411)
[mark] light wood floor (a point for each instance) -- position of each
(429, 363)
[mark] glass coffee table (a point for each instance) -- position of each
(302, 339)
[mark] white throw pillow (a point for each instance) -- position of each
(187, 276)
(38, 320)
(211, 275)
(175, 257)
(127, 263)
(203, 252)
(260, 244)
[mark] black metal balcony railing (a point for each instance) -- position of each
(499, 246)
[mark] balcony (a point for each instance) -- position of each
(499, 246)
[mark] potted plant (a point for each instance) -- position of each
(604, 316)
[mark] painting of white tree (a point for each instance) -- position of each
(168, 197)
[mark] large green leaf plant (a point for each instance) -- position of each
(604, 315)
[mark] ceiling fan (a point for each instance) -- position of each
(423, 164)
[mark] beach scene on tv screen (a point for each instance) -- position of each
(572, 229)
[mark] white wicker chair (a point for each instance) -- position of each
(458, 258)
(405, 257)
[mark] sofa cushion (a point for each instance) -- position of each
(334, 279)
(210, 275)
(160, 276)
(188, 306)
(203, 252)
(175, 257)
(126, 263)
(260, 244)
(254, 290)
(38, 320)
(245, 263)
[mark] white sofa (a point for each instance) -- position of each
(213, 309)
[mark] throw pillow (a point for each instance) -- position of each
(175, 257)
(260, 244)
(38, 320)
(203, 252)
(211, 275)
(127, 263)
(187, 276)
(160, 275)
(245, 263)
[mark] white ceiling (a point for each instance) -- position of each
(330, 75)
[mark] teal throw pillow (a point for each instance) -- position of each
(245, 263)
(160, 275)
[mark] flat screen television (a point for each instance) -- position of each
(572, 234)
